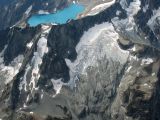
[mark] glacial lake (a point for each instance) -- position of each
(60, 17)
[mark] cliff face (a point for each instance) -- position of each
(101, 67)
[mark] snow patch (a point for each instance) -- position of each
(31, 112)
(36, 61)
(127, 27)
(57, 85)
(42, 12)
(29, 45)
(28, 10)
(145, 8)
(133, 8)
(8, 72)
(146, 61)
(129, 68)
(2, 55)
(98, 42)
(104, 5)
(100, 8)
(152, 21)
(153, 74)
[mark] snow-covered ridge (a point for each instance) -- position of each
(103, 5)
(98, 42)
(8, 72)
(28, 10)
(127, 27)
(152, 21)
(36, 61)
(133, 8)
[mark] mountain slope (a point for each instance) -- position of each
(101, 67)
(16, 12)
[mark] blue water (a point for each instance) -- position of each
(60, 17)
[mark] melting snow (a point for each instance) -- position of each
(147, 61)
(104, 5)
(128, 25)
(129, 68)
(36, 60)
(145, 8)
(153, 74)
(28, 10)
(57, 85)
(42, 12)
(95, 44)
(133, 8)
(8, 72)
(29, 45)
(100, 7)
(151, 23)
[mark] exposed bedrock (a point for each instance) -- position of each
(102, 67)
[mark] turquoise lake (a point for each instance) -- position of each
(60, 17)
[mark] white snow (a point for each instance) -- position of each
(145, 84)
(24, 82)
(147, 61)
(42, 46)
(133, 8)
(127, 26)
(145, 8)
(17, 5)
(151, 23)
(57, 85)
(118, 13)
(100, 8)
(28, 10)
(42, 94)
(129, 68)
(24, 105)
(42, 12)
(98, 42)
(134, 48)
(12, 69)
(27, 98)
(46, 29)
(2, 55)
(31, 112)
(46, 4)
(104, 5)
(36, 61)
(29, 45)
(153, 74)
(74, 2)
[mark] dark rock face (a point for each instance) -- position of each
(99, 67)
(20, 37)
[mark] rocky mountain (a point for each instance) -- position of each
(104, 66)
(15, 12)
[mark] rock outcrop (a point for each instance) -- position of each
(101, 67)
